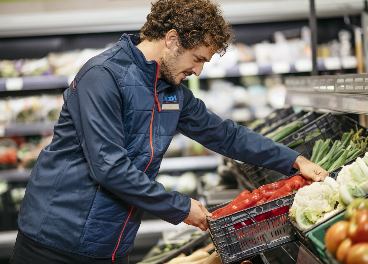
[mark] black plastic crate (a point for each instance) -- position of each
(275, 116)
(285, 121)
(241, 175)
(260, 176)
(238, 236)
(341, 124)
(330, 126)
(326, 123)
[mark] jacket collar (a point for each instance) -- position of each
(128, 43)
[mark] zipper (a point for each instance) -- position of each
(149, 163)
(116, 248)
(151, 124)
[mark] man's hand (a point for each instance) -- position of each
(197, 215)
(310, 170)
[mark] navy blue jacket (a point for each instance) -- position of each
(89, 187)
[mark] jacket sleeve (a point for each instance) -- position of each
(229, 139)
(95, 107)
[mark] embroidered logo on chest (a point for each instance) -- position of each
(170, 103)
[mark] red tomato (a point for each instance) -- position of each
(358, 254)
(335, 235)
(343, 249)
(358, 228)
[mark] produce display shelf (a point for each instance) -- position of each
(34, 83)
(240, 69)
(278, 67)
(167, 165)
(15, 175)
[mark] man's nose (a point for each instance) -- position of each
(197, 69)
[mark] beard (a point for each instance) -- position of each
(168, 67)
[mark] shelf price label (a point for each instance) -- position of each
(14, 84)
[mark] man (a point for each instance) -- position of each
(89, 188)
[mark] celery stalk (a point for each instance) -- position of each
(316, 149)
(339, 162)
(324, 150)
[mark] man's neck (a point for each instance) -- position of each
(151, 50)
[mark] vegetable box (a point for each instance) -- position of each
(239, 236)
(317, 236)
(259, 176)
(274, 117)
(312, 237)
(287, 120)
(333, 128)
(327, 126)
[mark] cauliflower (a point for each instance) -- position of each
(344, 175)
(313, 202)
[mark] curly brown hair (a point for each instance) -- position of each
(198, 22)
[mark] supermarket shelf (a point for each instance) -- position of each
(31, 129)
(241, 69)
(348, 103)
(279, 67)
(15, 175)
(167, 165)
(34, 83)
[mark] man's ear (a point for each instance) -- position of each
(172, 39)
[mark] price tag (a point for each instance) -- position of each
(13, 84)
(250, 68)
(332, 63)
(2, 131)
(281, 67)
(304, 65)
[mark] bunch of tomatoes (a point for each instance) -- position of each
(347, 240)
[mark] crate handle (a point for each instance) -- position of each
(254, 212)
(283, 202)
